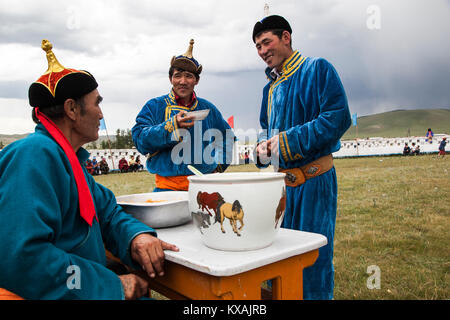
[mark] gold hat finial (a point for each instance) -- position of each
(53, 63)
(189, 50)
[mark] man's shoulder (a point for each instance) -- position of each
(34, 142)
(34, 149)
(206, 103)
(312, 63)
(313, 67)
(203, 100)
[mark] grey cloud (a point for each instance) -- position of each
(14, 89)
(403, 65)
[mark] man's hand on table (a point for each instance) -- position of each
(148, 251)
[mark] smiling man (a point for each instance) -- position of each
(304, 113)
(55, 220)
(164, 122)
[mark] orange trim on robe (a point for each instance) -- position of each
(177, 183)
(8, 295)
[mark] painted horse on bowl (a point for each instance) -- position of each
(207, 201)
(233, 212)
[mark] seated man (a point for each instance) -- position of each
(406, 149)
(104, 168)
(55, 220)
(138, 163)
(123, 165)
(89, 166)
(415, 150)
(96, 166)
(132, 164)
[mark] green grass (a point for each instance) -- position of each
(393, 212)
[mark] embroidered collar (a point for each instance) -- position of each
(288, 65)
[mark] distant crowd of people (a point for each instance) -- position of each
(414, 150)
(132, 165)
(95, 167)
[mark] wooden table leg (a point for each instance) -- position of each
(289, 284)
(180, 282)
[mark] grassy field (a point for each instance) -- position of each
(393, 213)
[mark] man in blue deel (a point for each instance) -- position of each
(304, 113)
(55, 220)
(164, 126)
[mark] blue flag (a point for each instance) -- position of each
(102, 124)
(354, 119)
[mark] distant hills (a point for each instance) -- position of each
(401, 123)
(398, 123)
(6, 139)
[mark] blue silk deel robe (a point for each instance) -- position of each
(307, 107)
(47, 250)
(207, 146)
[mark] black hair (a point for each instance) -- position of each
(57, 112)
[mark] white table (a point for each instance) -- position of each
(199, 272)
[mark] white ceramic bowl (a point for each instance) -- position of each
(169, 209)
(199, 114)
(237, 211)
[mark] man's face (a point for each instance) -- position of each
(183, 83)
(273, 50)
(88, 122)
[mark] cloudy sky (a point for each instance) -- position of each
(390, 54)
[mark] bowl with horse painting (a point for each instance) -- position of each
(237, 211)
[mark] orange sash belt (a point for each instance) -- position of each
(178, 183)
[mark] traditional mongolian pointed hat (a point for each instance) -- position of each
(186, 61)
(59, 83)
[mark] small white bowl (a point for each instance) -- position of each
(199, 115)
(169, 209)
